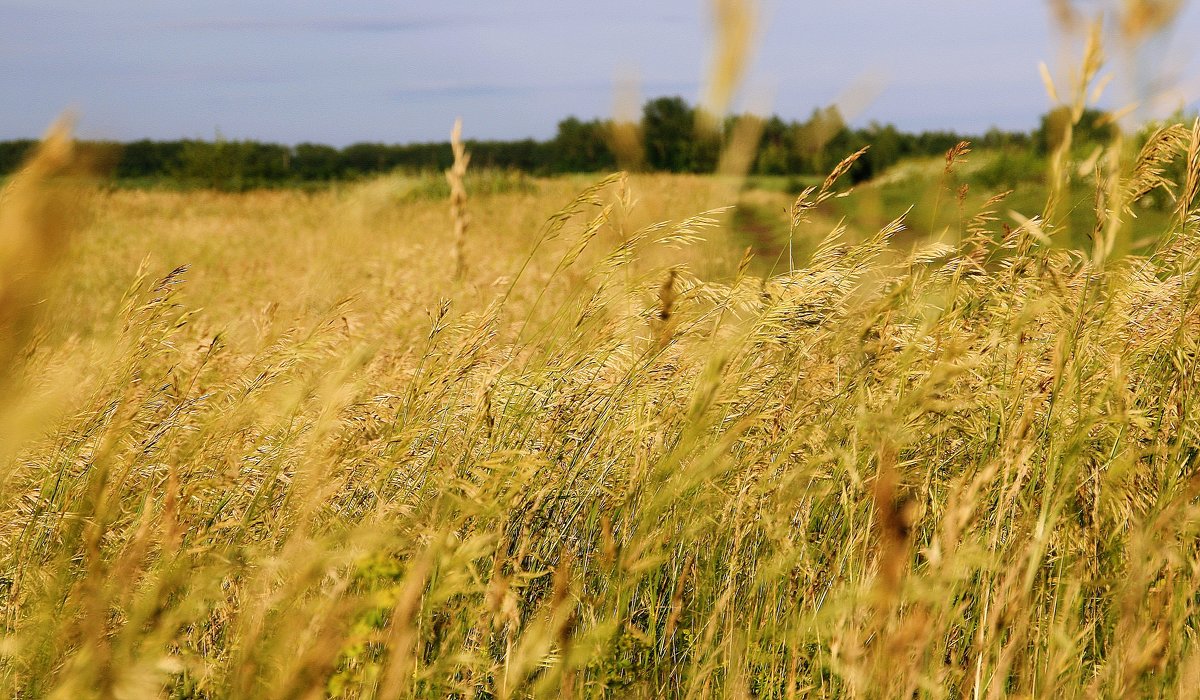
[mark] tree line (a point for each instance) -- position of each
(668, 138)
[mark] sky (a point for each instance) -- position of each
(291, 71)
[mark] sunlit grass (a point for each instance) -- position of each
(614, 457)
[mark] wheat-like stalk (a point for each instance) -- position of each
(456, 177)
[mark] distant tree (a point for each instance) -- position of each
(844, 142)
(14, 153)
(774, 151)
(313, 162)
(423, 156)
(888, 146)
(666, 138)
(363, 158)
(149, 159)
(936, 143)
(263, 163)
(581, 146)
(215, 164)
(525, 155)
(668, 130)
(996, 138)
(233, 165)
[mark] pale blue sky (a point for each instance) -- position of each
(358, 70)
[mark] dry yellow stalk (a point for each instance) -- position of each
(625, 135)
(734, 21)
(456, 176)
(32, 232)
(36, 212)
(1191, 182)
(1141, 18)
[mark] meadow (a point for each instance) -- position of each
(628, 436)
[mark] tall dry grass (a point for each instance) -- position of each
(456, 178)
(604, 461)
(966, 470)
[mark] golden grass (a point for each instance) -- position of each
(289, 445)
(608, 460)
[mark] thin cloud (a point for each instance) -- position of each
(325, 24)
(458, 90)
(382, 25)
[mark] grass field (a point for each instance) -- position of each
(271, 445)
